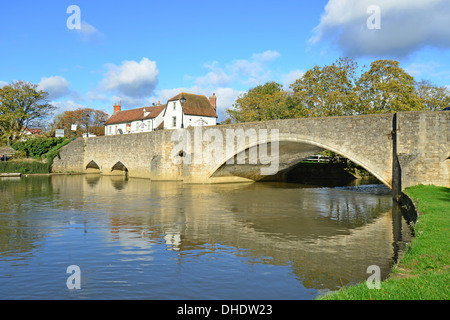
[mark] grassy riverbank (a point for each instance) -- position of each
(34, 156)
(423, 271)
(24, 166)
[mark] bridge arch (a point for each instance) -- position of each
(287, 149)
(92, 167)
(119, 168)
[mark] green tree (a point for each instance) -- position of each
(386, 88)
(21, 103)
(337, 90)
(264, 102)
(328, 90)
(433, 97)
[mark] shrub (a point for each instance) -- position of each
(37, 147)
(42, 148)
(20, 154)
(53, 152)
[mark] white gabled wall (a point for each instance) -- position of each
(174, 109)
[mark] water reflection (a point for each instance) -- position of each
(326, 238)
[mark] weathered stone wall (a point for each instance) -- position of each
(144, 155)
(70, 158)
(423, 148)
(412, 147)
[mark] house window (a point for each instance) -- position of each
(174, 122)
(174, 106)
(109, 129)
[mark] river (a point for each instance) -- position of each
(141, 239)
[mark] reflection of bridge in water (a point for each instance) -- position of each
(401, 150)
(324, 235)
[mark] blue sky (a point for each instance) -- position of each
(142, 52)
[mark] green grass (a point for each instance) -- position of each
(18, 166)
(36, 165)
(423, 271)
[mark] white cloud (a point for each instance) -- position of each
(251, 72)
(89, 33)
(56, 86)
(266, 56)
(98, 96)
(132, 79)
(405, 26)
(226, 97)
(418, 69)
(216, 77)
(291, 77)
(68, 105)
(254, 71)
(3, 83)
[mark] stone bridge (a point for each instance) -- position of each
(401, 149)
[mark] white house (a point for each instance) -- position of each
(182, 111)
(190, 110)
(135, 120)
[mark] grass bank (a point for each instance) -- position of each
(423, 271)
(37, 161)
(24, 166)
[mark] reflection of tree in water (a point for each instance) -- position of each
(304, 212)
(19, 232)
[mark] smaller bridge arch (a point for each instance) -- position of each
(92, 167)
(119, 169)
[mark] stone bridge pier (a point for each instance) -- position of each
(401, 150)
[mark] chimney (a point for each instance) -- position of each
(117, 107)
(213, 101)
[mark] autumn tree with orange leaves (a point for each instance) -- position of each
(82, 117)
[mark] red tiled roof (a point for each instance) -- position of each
(135, 114)
(195, 104)
(33, 131)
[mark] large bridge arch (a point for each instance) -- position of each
(293, 148)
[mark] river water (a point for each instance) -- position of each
(140, 239)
